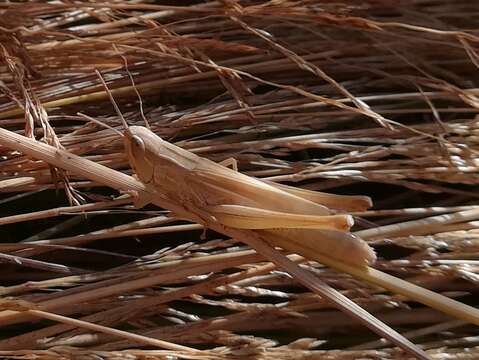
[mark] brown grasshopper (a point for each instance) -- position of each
(294, 219)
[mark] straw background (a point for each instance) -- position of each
(377, 98)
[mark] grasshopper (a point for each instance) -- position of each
(294, 219)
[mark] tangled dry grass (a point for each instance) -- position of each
(373, 97)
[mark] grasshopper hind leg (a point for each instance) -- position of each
(245, 217)
(316, 244)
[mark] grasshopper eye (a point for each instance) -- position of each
(138, 143)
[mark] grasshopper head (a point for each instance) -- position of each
(146, 152)
(139, 147)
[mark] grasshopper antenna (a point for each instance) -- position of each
(140, 101)
(117, 109)
(101, 123)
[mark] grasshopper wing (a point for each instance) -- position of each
(245, 217)
(255, 193)
(332, 201)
